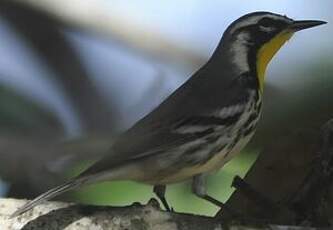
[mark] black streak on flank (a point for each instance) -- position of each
(203, 133)
(212, 138)
(209, 120)
(219, 148)
(248, 131)
(194, 149)
(252, 117)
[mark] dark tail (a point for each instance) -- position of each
(49, 195)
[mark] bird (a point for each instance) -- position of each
(202, 124)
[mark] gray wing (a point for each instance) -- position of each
(154, 134)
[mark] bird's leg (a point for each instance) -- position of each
(159, 190)
(199, 189)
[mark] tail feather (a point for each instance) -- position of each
(48, 195)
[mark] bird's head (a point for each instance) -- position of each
(254, 38)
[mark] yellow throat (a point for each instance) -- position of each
(266, 53)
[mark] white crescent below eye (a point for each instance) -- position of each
(266, 29)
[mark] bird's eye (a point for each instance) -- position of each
(266, 22)
(266, 25)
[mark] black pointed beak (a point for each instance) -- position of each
(305, 24)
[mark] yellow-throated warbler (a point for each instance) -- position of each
(204, 123)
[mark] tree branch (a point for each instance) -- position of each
(58, 215)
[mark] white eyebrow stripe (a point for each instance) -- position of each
(266, 29)
(248, 21)
(254, 20)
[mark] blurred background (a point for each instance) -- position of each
(74, 74)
